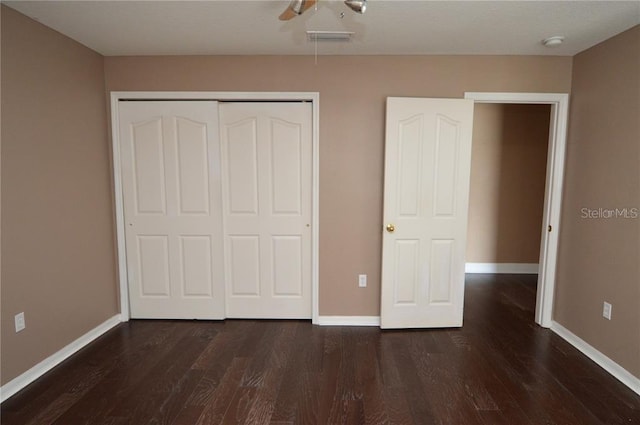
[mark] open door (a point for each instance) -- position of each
(426, 196)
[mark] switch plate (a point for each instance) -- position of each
(20, 324)
(362, 280)
(606, 310)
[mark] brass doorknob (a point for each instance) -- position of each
(390, 228)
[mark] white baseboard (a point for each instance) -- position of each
(618, 372)
(349, 320)
(18, 383)
(506, 268)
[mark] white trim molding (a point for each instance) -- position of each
(313, 97)
(18, 383)
(617, 371)
(506, 268)
(553, 188)
(348, 321)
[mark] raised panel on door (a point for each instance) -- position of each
(287, 266)
(286, 168)
(407, 268)
(147, 167)
(442, 263)
(447, 140)
(244, 266)
(241, 161)
(410, 165)
(427, 163)
(193, 167)
(197, 267)
(172, 208)
(266, 174)
(153, 265)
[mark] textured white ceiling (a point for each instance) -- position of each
(388, 27)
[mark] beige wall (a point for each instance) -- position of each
(352, 98)
(57, 235)
(508, 168)
(599, 258)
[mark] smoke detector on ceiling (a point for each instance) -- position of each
(554, 41)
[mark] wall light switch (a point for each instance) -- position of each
(20, 324)
(606, 310)
(362, 280)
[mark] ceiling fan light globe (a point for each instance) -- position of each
(358, 6)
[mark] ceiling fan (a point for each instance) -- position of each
(298, 7)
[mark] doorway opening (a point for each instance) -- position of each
(558, 114)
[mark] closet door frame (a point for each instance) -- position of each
(118, 96)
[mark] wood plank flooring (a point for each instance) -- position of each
(500, 368)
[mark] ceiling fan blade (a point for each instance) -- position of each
(287, 14)
(295, 8)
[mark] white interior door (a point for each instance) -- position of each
(266, 192)
(171, 193)
(426, 195)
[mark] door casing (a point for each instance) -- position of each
(117, 96)
(553, 189)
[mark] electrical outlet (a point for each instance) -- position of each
(606, 310)
(20, 324)
(362, 280)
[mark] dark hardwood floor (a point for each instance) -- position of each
(500, 368)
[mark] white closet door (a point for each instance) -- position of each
(171, 189)
(426, 197)
(266, 191)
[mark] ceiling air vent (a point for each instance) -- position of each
(329, 35)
